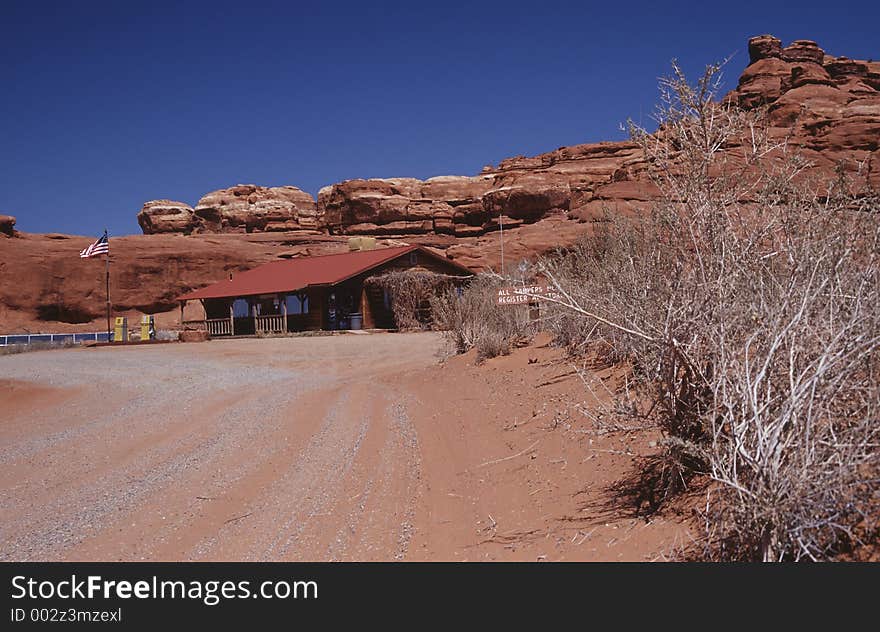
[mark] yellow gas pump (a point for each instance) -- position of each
(120, 331)
(146, 327)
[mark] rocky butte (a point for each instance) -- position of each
(244, 208)
(7, 225)
(827, 106)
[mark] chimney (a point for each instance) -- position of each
(361, 243)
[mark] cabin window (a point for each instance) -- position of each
(240, 308)
(413, 258)
(297, 304)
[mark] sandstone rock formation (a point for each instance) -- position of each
(451, 205)
(167, 216)
(244, 208)
(250, 208)
(7, 225)
(580, 182)
(829, 107)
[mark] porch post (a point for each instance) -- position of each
(232, 317)
(284, 311)
(182, 303)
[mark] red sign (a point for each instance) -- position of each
(526, 294)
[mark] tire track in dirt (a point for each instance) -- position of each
(310, 486)
(371, 516)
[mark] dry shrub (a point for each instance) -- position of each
(411, 292)
(472, 319)
(748, 305)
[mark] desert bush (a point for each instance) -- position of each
(471, 318)
(747, 303)
(411, 293)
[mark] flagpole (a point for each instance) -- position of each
(501, 227)
(107, 258)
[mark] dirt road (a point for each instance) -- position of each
(356, 447)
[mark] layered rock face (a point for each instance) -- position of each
(250, 208)
(450, 205)
(7, 225)
(167, 216)
(244, 208)
(774, 71)
(829, 107)
(460, 206)
(582, 181)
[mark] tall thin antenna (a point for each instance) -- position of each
(501, 227)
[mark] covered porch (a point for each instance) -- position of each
(343, 306)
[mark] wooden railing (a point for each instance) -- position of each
(219, 326)
(269, 324)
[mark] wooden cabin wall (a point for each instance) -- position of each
(315, 318)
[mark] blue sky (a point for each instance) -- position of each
(108, 104)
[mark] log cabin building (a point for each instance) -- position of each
(323, 292)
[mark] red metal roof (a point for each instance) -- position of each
(290, 275)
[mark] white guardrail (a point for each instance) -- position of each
(52, 339)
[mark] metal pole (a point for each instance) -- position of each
(501, 227)
(108, 286)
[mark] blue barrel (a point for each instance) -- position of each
(357, 321)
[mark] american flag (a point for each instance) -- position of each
(100, 247)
